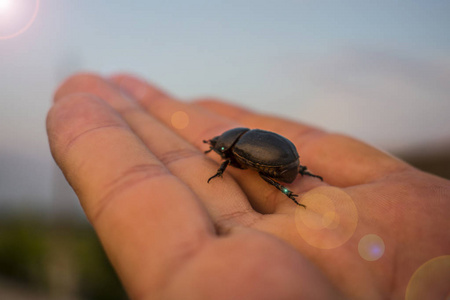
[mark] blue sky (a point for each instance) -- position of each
(378, 70)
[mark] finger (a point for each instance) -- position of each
(226, 203)
(204, 125)
(200, 123)
(134, 203)
(339, 159)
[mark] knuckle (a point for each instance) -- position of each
(75, 116)
(126, 181)
(170, 157)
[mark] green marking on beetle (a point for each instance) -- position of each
(285, 190)
(222, 148)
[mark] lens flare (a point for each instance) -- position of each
(16, 17)
(330, 217)
(431, 280)
(180, 119)
(371, 247)
(5, 5)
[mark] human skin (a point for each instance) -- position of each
(141, 180)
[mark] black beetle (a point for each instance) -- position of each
(272, 155)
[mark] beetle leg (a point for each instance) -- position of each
(303, 170)
(208, 142)
(221, 169)
(282, 188)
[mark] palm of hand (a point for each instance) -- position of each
(210, 243)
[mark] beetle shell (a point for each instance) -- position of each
(273, 156)
(269, 153)
(265, 147)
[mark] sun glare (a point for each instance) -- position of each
(5, 5)
(16, 16)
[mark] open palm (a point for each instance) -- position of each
(134, 156)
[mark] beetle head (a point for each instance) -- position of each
(222, 144)
(212, 143)
(217, 145)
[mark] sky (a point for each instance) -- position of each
(377, 70)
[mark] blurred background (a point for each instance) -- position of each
(377, 70)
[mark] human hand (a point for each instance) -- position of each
(134, 156)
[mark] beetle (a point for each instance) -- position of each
(273, 156)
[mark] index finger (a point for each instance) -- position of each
(146, 218)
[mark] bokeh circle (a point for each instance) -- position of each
(330, 217)
(179, 120)
(371, 247)
(431, 280)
